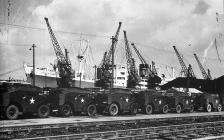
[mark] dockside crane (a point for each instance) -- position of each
(188, 71)
(146, 72)
(205, 75)
(109, 58)
(133, 77)
(105, 72)
(63, 62)
(154, 71)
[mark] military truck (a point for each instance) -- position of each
(18, 99)
(179, 101)
(207, 102)
(68, 101)
(151, 101)
(116, 101)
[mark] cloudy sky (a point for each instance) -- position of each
(153, 25)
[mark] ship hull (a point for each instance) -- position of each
(48, 78)
(44, 81)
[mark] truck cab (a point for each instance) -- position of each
(68, 101)
(18, 99)
(151, 101)
(116, 101)
(207, 102)
(179, 101)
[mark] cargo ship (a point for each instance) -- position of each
(45, 77)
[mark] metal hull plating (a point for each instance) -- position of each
(48, 78)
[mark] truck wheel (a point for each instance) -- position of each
(209, 108)
(148, 109)
(178, 108)
(219, 108)
(91, 110)
(43, 111)
(165, 109)
(191, 110)
(113, 109)
(65, 110)
(134, 109)
(12, 112)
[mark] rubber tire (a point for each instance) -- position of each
(148, 109)
(134, 109)
(65, 110)
(219, 108)
(191, 110)
(113, 109)
(15, 112)
(165, 109)
(43, 111)
(178, 108)
(91, 110)
(209, 108)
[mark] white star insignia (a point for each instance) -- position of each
(127, 99)
(82, 100)
(32, 101)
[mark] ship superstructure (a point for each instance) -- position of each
(45, 77)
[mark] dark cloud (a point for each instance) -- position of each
(201, 8)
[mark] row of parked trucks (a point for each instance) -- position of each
(18, 99)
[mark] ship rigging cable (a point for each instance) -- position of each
(102, 36)
(13, 70)
(59, 31)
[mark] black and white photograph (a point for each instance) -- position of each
(112, 69)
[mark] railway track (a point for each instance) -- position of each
(163, 128)
(183, 131)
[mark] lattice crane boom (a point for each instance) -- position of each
(104, 59)
(105, 71)
(187, 71)
(132, 71)
(204, 74)
(149, 72)
(113, 45)
(57, 48)
(64, 64)
(138, 53)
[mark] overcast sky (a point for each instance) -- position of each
(153, 25)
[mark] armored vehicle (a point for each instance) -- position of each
(151, 101)
(207, 102)
(179, 101)
(116, 100)
(68, 101)
(17, 99)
